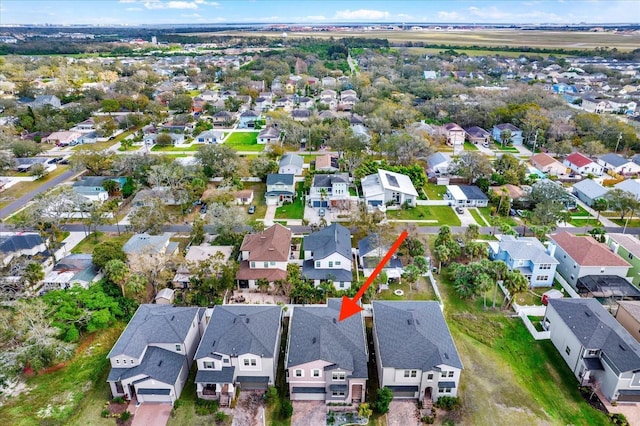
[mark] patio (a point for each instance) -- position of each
(247, 297)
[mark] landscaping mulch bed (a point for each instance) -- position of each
(592, 401)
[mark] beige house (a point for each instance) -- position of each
(628, 315)
(547, 164)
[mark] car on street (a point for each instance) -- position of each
(322, 212)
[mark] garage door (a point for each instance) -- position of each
(404, 391)
(320, 204)
(629, 396)
(253, 383)
(308, 394)
(154, 395)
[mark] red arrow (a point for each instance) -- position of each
(350, 306)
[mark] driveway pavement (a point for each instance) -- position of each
(151, 414)
(270, 215)
(309, 413)
(403, 413)
(312, 214)
(466, 219)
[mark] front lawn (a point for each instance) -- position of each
(584, 221)
(468, 146)
(633, 223)
(21, 188)
(478, 217)
(441, 215)
(179, 148)
(507, 149)
(486, 214)
(435, 192)
(88, 244)
(244, 141)
(293, 210)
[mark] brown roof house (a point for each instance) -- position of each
(580, 256)
(547, 164)
(264, 256)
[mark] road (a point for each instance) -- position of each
(22, 201)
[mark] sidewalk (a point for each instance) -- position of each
(605, 221)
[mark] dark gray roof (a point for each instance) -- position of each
(159, 364)
(472, 192)
(615, 160)
(332, 239)
(316, 334)
(19, 242)
(371, 242)
(301, 113)
(403, 388)
(154, 324)
(326, 181)
(253, 379)
(212, 376)
(337, 275)
(477, 132)
(413, 335)
(273, 179)
(235, 330)
(595, 328)
(507, 126)
(437, 158)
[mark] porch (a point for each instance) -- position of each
(216, 392)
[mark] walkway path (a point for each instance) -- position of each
(603, 220)
(270, 215)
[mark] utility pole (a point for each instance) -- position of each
(618, 143)
(535, 141)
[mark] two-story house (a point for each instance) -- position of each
(23, 244)
(247, 119)
(527, 255)
(92, 187)
(597, 349)
(327, 255)
(150, 361)
(507, 132)
(628, 247)
(415, 353)
(583, 255)
(477, 135)
(326, 190)
(326, 359)
(239, 348)
(583, 165)
(264, 255)
(280, 189)
(387, 187)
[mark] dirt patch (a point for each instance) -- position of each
(403, 413)
(306, 413)
(249, 409)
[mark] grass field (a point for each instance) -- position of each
(477, 37)
(443, 215)
(179, 148)
(244, 141)
(468, 146)
(435, 192)
(478, 217)
(294, 210)
(88, 244)
(21, 188)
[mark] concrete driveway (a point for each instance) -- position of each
(151, 414)
(308, 413)
(312, 215)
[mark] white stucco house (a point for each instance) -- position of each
(387, 187)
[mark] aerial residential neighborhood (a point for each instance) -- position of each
(191, 214)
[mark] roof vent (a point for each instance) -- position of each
(334, 321)
(173, 317)
(214, 343)
(622, 347)
(247, 320)
(587, 313)
(313, 341)
(446, 355)
(160, 363)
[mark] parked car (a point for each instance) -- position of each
(203, 209)
(520, 213)
(512, 212)
(322, 212)
(460, 210)
(252, 209)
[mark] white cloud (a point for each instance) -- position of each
(126, 1)
(154, 5)
(315, 18)
(450, 16)
(361, 14)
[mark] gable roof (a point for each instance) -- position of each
(316, 334)
(383, 180)
(146, 244)
(629, 242)
(543, 160)
(158, 364)
(507, 126)
(437, 159)
(276, 178)
(477, 132)
(271, 244)
(269, 133)
(630, 185)
(472, 192)
(236, 329)
(14, 243)
(526, 248)
(595, 328)
(326, 181)
(154, 324)
(291, 159)
(632, 307)
(616, 160)
(326, 161)
(586, 251)
(332, 239)
(578, 159)
(413, 334)
(591, 188)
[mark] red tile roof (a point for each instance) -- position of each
(272, 244)
(579, 159)
(586, 251)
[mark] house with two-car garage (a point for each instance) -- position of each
(150, 361)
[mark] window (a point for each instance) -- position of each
(568, 350)
(117, 361)
(341, 284)
(430, 376)
(317, 263)
(542, 278)
(266, 264)
(338, 377)
(208, 365)
(410, 373)
(253, 264)
(330, 264)
(226, 360)
(178, 348)
(444, 390)
(315, 373)
(250, 362)
(592, 352)
(337, 393)
(545, 266)
(338, 263)
(297, 373)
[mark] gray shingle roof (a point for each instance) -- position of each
(19, 242)
(472, 192)
(291, 159)
(316, 334)
(615, 160)
(590, 188)
(413, 335)
(212, 376)
(276, 178)
(146, 244)
(235, 330)
(332, 239)
(526, 248)
(326, 181)
(154, 324)
(158, 364)
(595, 328)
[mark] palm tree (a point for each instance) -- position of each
(33, 273)
(600, 205)
(443, 254)
(515, 283)
(118, 273)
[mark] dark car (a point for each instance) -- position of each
(203, 209)
(252, 209)
(512, 212)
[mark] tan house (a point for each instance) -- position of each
(628, 315)
(547, 164)
(264, 256)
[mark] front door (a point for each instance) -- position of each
(356, 393)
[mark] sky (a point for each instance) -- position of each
(134, 12)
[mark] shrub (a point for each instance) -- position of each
(118, 400)
(126, 415)
(205, 408)
(105, 413)
(383, 398)
(286, 409)
(429, 420)
(221, 416)
(364, 410)
(618, 419)
(271, 395)
(177, 404)
(448, 403)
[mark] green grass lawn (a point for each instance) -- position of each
(244, 141)
(179, 148)
(21, 188)
(294, 210)
(486, 213)
(444, 215)
(478, 217)
(633, 223)
(87, 245)
(425, 293)
(579, 211)
(506, 148)
(468, 146)
(586, 221)
(435, 192)
(259, 200)
(72, 395)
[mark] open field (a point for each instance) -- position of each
(479, 37)
(244, 141)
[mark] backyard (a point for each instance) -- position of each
(244, 141)
(88, 244)
(435, 215)
(435, 192)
